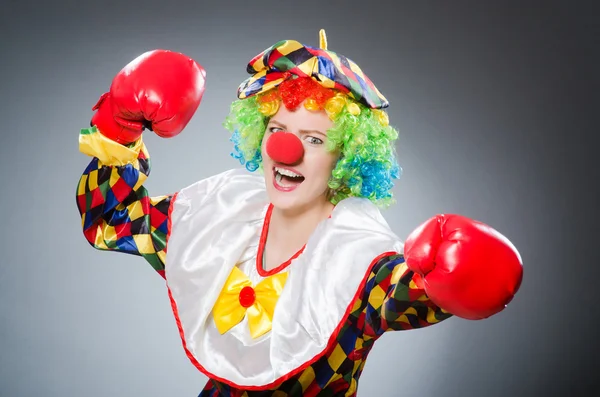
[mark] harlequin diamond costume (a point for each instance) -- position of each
(306, 326)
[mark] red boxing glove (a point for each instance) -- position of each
(159, 90)
(468, 268)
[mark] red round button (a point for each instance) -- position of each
(247, 296)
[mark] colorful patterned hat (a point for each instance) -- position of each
(290, 58)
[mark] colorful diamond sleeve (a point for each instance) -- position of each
(117, 214)
(397, 300)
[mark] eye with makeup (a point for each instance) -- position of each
(274, 129)
(313, 140)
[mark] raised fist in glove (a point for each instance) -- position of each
(468, 268)
(159, 90)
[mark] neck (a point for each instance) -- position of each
(296, 220)
(290, 230)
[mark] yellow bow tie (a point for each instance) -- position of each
(238, 298)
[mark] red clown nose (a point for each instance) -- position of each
(285, 147)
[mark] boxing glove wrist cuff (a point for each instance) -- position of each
(109, 152)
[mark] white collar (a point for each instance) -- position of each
(211, 224)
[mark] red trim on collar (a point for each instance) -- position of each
(261, 249)
(330, 344)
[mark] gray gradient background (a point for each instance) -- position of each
(494, 106)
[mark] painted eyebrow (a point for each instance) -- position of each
(272, 121)
(283, 126)
(313, 131)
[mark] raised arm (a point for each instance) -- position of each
(117, 214)
(467, 267)
(396, 299)
(160, 90)
(451, 265)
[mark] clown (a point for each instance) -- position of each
(282, 275)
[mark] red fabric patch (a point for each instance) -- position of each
(312, 390)
(157, 218)
(385, 283)
(341, 88)
(121, 190)
(81, 202)
(368, 329)
(90, 234)
(123, 230)
(357, 354)
(97, 198)
(275, 55)
(347, 71)
(339, 385)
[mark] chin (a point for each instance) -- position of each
(284, 201)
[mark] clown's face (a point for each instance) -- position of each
(302, 185)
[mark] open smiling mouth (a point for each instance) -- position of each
(285, 179)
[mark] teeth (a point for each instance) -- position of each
(278, 177)
(285, 172)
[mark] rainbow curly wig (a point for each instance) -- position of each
(362, 136)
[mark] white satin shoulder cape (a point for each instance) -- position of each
(212, 224)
